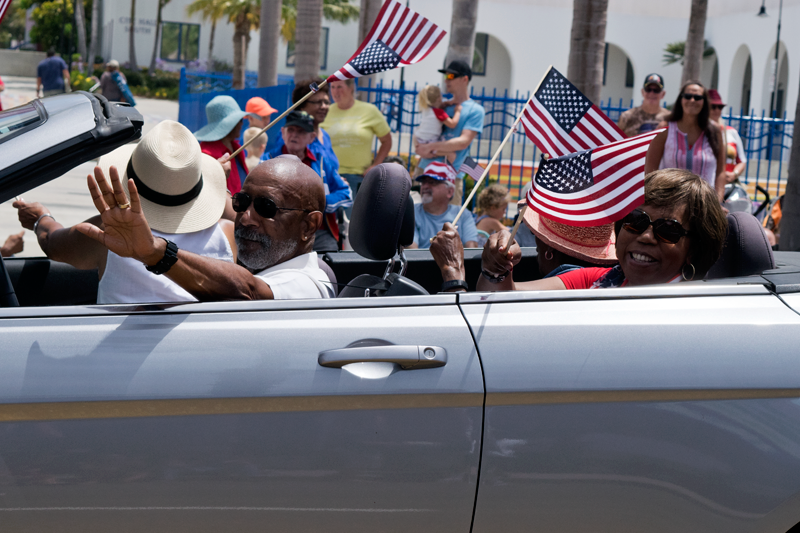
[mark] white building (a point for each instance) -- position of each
(518, 39)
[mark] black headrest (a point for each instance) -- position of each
(746, 251)
(376, 224)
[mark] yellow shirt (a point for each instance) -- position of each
(352, 133)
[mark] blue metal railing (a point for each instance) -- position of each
(767, 141)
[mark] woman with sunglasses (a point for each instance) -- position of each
(676, 235)
(692, 141)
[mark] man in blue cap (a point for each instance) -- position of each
(298, 133)
(221, 137)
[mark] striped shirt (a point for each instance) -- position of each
(698, 158)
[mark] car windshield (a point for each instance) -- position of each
(15, 119)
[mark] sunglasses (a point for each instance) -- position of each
(716, 106)
(695, 97)
(318, 102)
(450, 76)
(654, 90)
(666, 230)
(265, 207)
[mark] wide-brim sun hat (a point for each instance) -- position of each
(595, 244)
(223, 113)
(182, 190)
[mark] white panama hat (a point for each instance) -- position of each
(182, 190)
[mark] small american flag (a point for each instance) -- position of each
(592, 187)
(471, 168)
(4, 5)
(560, 120)
(398, 36)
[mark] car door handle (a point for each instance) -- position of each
(409, 357)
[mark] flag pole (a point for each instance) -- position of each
(516, 225)
(311, 93)
(499, 149)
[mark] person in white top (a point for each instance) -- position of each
(278, 211)
(183, 193)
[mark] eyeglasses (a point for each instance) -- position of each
(666, 230)
(450, 76)
(318, 102)
(654, 90)
(265, 207)
(717, 106)
(695, 97)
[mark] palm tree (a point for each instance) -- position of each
(695, 45)
(93, 36)
(587, 46)
(134, 65)
(674, 52)
(268, 44)
(212, 10)
(462, 31)
(306, 42)
(790, 219)
(80, 27)
(152, 69)
(245, 16)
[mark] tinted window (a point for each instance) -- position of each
(16, 119)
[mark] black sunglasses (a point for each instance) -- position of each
(717, 106)
(655, 90)
(695, 97)
(265, 207)
(666, 230)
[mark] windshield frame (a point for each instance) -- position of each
(40, 109)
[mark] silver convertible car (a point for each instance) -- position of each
(664, 408)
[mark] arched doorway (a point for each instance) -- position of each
(738, 96)
(618, 76)
(779, 88)
(491, 65)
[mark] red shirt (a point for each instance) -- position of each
(217, 149)
(582, 278)
(440, 114)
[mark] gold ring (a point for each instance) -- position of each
(124, 206)
(433, 238)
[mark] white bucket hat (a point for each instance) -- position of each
(182, 190)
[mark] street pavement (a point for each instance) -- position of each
(67, 197)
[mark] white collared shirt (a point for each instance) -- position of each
(299, 277)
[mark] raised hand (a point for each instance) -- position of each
(498, 257)
(28, 213)
(126, 231)
(448, 252)
(14, 244)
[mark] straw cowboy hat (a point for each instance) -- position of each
(182, 190)
(223, 114)
(595, 244)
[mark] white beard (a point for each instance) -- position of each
(269, 254)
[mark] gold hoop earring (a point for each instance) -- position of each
(683, 274)
(548, 255)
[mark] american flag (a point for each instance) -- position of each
(592, 187)
(560, 120)
(399, 35)
(4, 5)
(471, 168)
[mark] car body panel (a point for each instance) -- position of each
(651, 414)
(183, 421)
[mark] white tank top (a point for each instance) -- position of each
(126, 280)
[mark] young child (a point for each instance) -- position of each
(255, 150)
(433, 116)
(492, 205)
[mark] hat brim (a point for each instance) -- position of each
(301, 126)
(599, 255)
(215, 131)
(198, 214)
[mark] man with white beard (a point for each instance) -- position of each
(437, 186)
(278, 210)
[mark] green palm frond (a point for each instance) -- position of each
(336, 10)
(674, 52)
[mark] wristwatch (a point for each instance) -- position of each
(495, 279)
(447, 285)
(169, 259)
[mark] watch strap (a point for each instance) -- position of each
(169, 259)
(495, 279)
(447, 285)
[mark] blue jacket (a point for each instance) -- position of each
(321, 150)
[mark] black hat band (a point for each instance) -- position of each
(156, 197)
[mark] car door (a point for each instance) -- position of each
(220, 417)
(673, 408)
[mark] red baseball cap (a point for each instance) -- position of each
(259, 106)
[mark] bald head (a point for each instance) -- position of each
(295, 180)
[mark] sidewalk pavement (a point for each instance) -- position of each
(66, 197)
